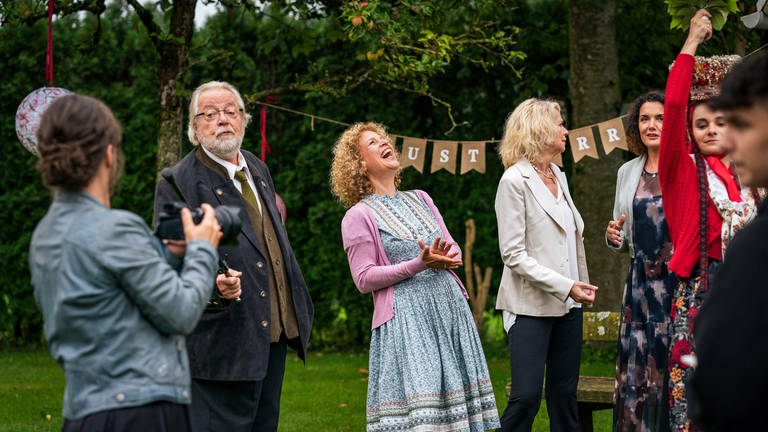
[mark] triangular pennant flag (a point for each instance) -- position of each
(612, 135)
(444, 156)
(582, 143)
(473, 156)
(412, 153)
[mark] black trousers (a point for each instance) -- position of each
(154, 417)
(536, 342)
(240, 406)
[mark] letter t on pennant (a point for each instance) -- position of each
(472, 156)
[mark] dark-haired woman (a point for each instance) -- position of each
(639, 227)
(115, 310)
(704, 204)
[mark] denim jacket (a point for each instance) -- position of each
(115, 310)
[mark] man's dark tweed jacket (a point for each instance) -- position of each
(230, 343)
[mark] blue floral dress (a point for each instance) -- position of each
(427, 369)
(641, 367)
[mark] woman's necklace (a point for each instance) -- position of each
(550, 175)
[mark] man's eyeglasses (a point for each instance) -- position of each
(210, 115)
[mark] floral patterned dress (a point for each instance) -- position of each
(691, 293)
(689, 296)
(641, 367)
(427, 367)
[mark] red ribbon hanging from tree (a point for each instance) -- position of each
(49, 51)
(265, 148)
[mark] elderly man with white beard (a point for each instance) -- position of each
(260, 305)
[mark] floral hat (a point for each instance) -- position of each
(708, 73)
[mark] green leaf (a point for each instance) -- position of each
(716, 4)
(718, 20)
(681, 11)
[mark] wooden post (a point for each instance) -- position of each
(478, 284)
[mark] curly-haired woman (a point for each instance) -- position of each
(639, 227)
(427, 367)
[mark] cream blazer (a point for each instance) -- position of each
(532, 241)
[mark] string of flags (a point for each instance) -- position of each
(471, 155)
(444, 154)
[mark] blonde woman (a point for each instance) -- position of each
(545, 278)
(427, 368)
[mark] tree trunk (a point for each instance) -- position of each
(595, 96)
(173, 52)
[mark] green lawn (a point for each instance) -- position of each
(31, 386)
(328, 394)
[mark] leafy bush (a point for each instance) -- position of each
(112, 59)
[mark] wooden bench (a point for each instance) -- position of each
(595, 393)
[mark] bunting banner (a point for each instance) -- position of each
(472, 156)
(582, 143)
(444, 156)
(412, 153)
(612, 135)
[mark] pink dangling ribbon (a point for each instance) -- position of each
(49, 50)
(265, 148)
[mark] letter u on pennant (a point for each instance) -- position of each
(413, 153)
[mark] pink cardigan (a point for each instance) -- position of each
(371, 270)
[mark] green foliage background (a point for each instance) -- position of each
(113, 60)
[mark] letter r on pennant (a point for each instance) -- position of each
(613, 134)
(582, 143)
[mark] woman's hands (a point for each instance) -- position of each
(613, 232)
(208, 229)
(438, 256)
(583, 293)
(699, 32)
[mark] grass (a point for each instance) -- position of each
(328, 394)
(31, 387)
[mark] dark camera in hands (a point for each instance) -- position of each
(169, 225)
